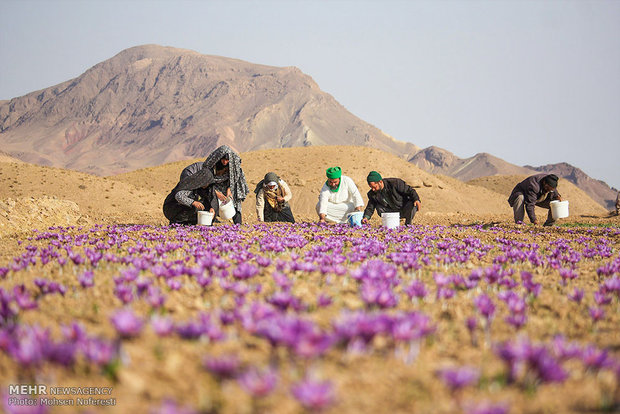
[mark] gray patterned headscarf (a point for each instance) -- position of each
(238, 185)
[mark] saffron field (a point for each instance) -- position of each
(302, 318)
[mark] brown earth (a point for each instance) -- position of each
(37, 194)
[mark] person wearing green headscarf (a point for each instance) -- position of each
(390, 195)
(339, 196)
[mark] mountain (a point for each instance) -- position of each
(440, 161)
(150, 105)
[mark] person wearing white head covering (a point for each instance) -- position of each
(272, 197)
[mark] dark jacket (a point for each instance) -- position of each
(532, 190)
(392, 198)
(194, 183)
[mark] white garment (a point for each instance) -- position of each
(336, 205)
(260, 199)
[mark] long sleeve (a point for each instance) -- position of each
(287, 191)
(323, 199)
(370, 208)
(183, 197)
(406, 190)
(260, 205)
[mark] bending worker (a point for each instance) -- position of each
(391, 195)
(537, 190)
(339, 196)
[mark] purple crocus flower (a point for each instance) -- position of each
(596, 313)
(313, 395)
(457, 378)
(487, 407)
(86, 279)
(323, 300)
(126, 323)
(23, 298)
(577, 295)
(223, 367)
(245, 271)
(485, 306)
(417, 289)
(258, 383)
(601, 298)
(162, 325)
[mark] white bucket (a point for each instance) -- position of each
(355, 218)
(559, 209)
(390, 220)
(205, 218)
(227, 211)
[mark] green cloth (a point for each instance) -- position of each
(334, 190)
(374, 177)
(334, 172)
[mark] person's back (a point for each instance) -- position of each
(191, 169)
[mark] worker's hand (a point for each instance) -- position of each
(535, 222)
(418, 205)
(559, 197)
(280, 199)
(321, 218)
(364, 220)
(360, 208)
(211, 210)
(220, 196)
(198, 205)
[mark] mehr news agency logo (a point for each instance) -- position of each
(42, 395)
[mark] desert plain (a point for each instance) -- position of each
(462, 312)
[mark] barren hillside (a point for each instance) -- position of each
(150, 105)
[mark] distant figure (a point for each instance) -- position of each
(272, 197)
(537, 190)
(193, 193)
(338, 197)
(618, 204)
(225, 164)
(390, 195)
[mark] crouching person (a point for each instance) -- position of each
(272, 197)
(537, 190)
(193, 193)
(339, 196)
(391, 195)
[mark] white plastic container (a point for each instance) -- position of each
(355, 218)
(227, 211)
(390, 220)
(205, 218)
(559, 209)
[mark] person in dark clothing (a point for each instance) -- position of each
(230, 183)
(191, 169)
(272, 197)
(192, 194)
(536, 190)
(391, 195)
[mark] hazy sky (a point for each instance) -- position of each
(533, 82)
